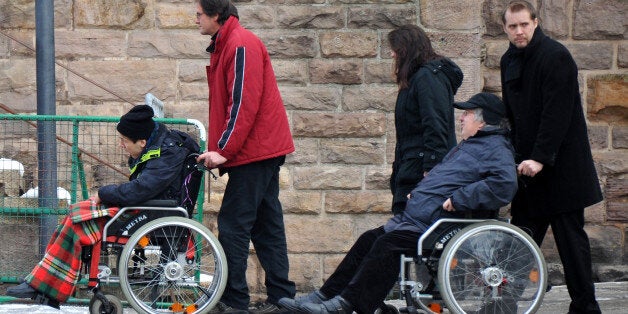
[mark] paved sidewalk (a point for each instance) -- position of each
(612, 296)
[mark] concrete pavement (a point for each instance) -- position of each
(612, 296)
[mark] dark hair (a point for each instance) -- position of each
(413, 49)
(518, 5)
(224, 9)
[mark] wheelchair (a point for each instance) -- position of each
(162, 261)
(468, 265)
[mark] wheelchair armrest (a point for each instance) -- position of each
(158, 203)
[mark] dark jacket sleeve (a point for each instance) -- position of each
(152, 183)
(558, 86)
(497, 186)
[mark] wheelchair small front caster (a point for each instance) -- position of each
(97, 306)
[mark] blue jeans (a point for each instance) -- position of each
(251, 211)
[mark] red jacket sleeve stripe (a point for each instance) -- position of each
(238, 86)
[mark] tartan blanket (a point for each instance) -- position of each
(86, 210)
(57, 273)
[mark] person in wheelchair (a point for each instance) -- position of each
(478, 174)
(156, 159)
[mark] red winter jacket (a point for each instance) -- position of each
(247, 119)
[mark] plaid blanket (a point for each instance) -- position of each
(57, 273)
(86, 210)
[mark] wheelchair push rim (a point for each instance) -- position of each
(492, 266)
(173, 265)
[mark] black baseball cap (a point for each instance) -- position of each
(493, 109)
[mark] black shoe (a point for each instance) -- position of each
(293, 305)
(223, 308)
(337, 305)
(267, 307)
(23, 290)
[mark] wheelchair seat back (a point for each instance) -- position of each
(192, 179)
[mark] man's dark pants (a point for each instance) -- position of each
(370, 268)
(575, 253)
(251, 211)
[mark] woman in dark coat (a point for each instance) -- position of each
(424, 118)
(424, 114)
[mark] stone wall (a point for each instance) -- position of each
(334, 69)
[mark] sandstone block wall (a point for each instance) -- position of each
(333, 65)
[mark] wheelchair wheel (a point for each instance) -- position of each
(96, 306)
(492, 267)
(173, 265)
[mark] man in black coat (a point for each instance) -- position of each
(558, 177)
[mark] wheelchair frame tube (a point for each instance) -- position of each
(438, 223)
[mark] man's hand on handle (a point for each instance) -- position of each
(211, 159)
(529, 168)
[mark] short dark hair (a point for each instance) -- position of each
(518, 5)
(224, 9)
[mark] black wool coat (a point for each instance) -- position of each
(542, 97)
(424, 125)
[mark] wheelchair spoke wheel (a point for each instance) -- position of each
(173, 265)
(492, 267)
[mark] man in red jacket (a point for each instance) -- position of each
(248, 139)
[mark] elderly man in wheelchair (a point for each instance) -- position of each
(157, 252)
(477, 176)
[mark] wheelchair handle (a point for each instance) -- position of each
(201, 167)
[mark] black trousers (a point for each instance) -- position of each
(575, 254)
(251, 211)
(370, 268)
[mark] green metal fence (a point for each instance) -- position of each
(88, 156)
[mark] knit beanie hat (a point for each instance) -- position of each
(137, 124)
